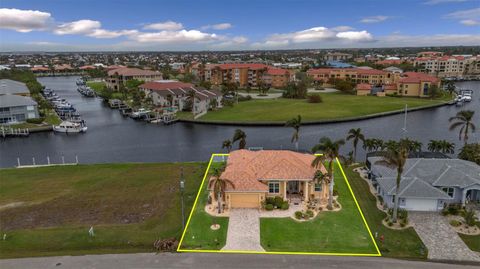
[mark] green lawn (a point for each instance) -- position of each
(99, 88)
(129, 205)
(472, 241)
(398, 244)
(198, 234)
(334, 106)
(330, 232)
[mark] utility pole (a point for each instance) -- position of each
(182, 188)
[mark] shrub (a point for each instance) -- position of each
(453, 209)
(320, 208)
(402, 214)
(309, 213)
(270, 200)
(470, 217)
(244, 98)
(380, 199)
(402, 224)
(285, 206)
(269, 207)
(227, 102)
(315, 98)
(298, 214)
(278, 201)
(335, 192)
(455, 223)
(36, 120)
(335, 204)
(390, 223)
(329, 207)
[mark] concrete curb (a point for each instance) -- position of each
(319, 122)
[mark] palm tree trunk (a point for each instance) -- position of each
(330, 193)
(355, 154)
(219, 203)
(395, 203)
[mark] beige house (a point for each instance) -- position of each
(119, 76)
(269, 173)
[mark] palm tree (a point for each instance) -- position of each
(465, 122)
(442, 146)
(369, 145)
(219, 186)
(413, 146)
(330, 150)
(191, 100)
(395, 157)
(355, 135)
(241, 137)
(295, 123)
(227, 144)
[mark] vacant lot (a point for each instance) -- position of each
(48, 211)
(330, 232)
(334, 106)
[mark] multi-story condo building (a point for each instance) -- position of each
(357, 75)
(120, 76)
(407, 84)
(337, 56)
(445, 66)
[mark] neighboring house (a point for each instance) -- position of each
(16, 108)
(8, 86)
(269, 173)
(427, 184)
(120, 76)
(416, 84)
(169, 93)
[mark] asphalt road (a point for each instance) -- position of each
(223, 261)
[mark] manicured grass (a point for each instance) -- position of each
(334, 106)
(398, 244)
(99, 88)
(472, 241)
(198, 234)
(129, 205)
(330, 232)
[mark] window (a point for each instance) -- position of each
(318, 187)
(449, 191)
(273, 187)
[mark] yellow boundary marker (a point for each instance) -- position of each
(179, 249)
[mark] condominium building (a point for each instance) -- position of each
(120, 76)
(445, 66)
(416, 84)
(337, 56)
(357, 75)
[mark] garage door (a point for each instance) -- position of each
(243, 200)
(421, 204)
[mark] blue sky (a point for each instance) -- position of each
(240, 24)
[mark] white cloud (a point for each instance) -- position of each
(77, 27)
(102, 33)
(436, 2)
(374, 19)
(342, 28)
(470, 22)
(355, 35)
(472, 14)
(167, 26)
(428, 40)
(219, 26)
(24, 20)
(175, 36)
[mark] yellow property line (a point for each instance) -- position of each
(273, 252)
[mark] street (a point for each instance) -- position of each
(206, 260)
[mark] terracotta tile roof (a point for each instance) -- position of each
(417, 77)
(86, 67)
(359, 71)
(125, 71)
(363, 87)
(390, 87)
(39, 68)
(246, 168)
(161, 86)
(178, 88)
(277, 71)
(247, 65)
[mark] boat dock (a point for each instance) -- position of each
(11, 132)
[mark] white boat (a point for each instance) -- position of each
(70, 127)
(140, 113)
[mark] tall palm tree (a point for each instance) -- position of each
(219, 186)
(330, 150)
(227, 144)
(191, 100)
(369, 144)
(395, 157)
(434, 145)
(355, 135)
(464, 120)
(295, 123)
(241, 137)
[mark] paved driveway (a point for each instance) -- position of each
(243, 230)
(442, 242)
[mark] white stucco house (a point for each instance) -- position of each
(428, 184)
(176, 94)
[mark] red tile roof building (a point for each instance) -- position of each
(119, 76)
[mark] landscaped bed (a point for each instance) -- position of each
(48, 211)
(334, 106)
(329, 232)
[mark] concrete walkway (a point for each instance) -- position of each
(243, 230)
(442, 242)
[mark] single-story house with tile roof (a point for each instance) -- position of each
(268, 173)
(428, 184)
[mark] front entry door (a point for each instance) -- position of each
(293, 187)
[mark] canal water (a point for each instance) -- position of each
(112, 138)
